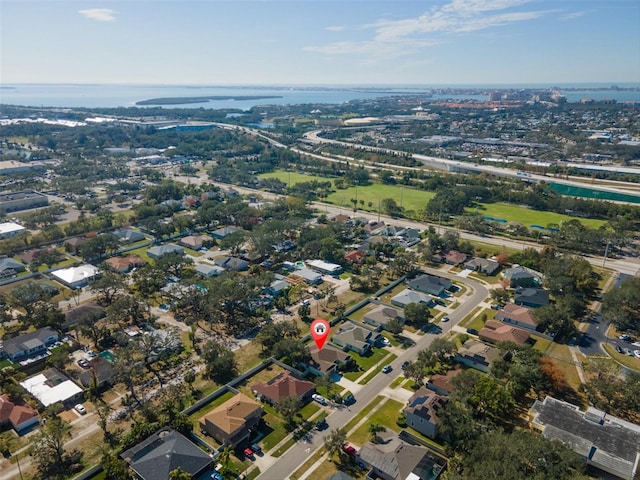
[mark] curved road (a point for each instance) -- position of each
(301, 451)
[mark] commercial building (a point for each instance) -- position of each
(24, 200)
(9, 229)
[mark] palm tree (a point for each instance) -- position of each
(335, 441)
(225, 456)
(374, 428)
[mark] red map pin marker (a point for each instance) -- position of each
(320, 331)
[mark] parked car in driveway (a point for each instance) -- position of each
(350, 450)
(80, 409)
(248, 452)
(319, 398)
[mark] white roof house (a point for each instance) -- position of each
(324, 267)
(75, 277)
(39, 387)
(8, 229)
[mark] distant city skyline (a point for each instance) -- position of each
(319, 42)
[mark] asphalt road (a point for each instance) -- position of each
(301, 451)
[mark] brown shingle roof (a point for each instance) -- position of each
(517, 313)
(232, 414)
(499, 332)
(14, 412)
(283, 385)
(124, 263)
(444, 382)
(426, 404)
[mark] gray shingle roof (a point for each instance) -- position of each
(164, 451)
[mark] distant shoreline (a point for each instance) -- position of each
(185, 100)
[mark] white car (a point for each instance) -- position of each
(386, 342)
(636, 353)
(80, 409)
(319, 398)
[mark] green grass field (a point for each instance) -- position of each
(413, 200)
(527, 216)
(408, 198)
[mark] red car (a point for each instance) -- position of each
(248, 452)
(350, 450)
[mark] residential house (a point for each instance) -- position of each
(531, 297)
(232, 263)
(283, 385)
(208, 271)
(89, 312)
(30, 256)
(398, 460)
(162, 250)
(477, 355)
(381, 315)
(408, 237)
(482, 265)
(372, 226)
(406, 296)
(494, 332)
(284, 246)
(9, 267)
(163, 452)
(327, 361)
(354, 337)
(128, 235)
(196, 242)
(339, 476)
(519, 276)
(518, 315)
(454, 257)
(606, 443)
(100, 372)
(309, 276)
(278, 286)
(124, 264)
(17, 414)
(76, 277)
(442, 384)
(355, 256)
(232, 422)
(422, 411)
(51, 386)
(72, 245)
(430, 284)
(173, 204)
(323, 267)
(340, 218)
(224, 232)
(28, 345)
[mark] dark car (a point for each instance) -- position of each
(321, 425)
(619, 349)
(83, 363)
(405, 364)
(349, 399)
(386, 369)
(256, 448)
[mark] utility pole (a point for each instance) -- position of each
(606, 250)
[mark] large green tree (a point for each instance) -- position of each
(621, 306)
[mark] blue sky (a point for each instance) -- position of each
(319, 42)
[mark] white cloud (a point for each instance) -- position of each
(335, 28)
(393, 38)
(571, 16)
(99, 14)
